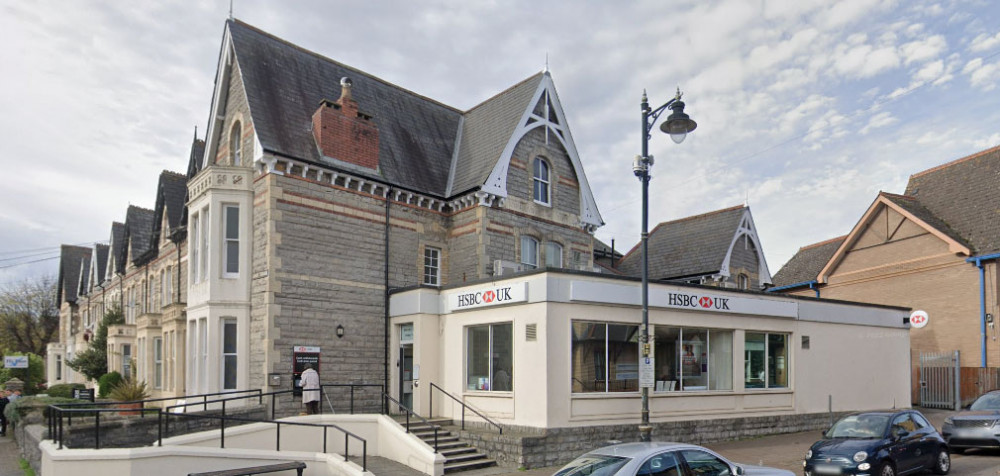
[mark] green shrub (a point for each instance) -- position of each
(129, 390)
(64, 390)
(25, 407)
(107, 382)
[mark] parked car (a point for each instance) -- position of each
(976, 427)
(660, 459)
(887, 443)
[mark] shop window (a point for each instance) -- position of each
(529, 252)
(766, 360)
(229, 354)
(605, 357)
(489, 360)
(540, 181)
(693, 359)
(553, 255)
(432, 266)
(231, 241)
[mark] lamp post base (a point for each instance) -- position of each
(645, 433)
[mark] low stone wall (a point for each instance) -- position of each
(132, 431)
(534, 448)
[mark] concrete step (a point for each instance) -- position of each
(467, 465)
(449, 453)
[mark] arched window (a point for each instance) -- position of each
(553, 255)
(236, 144)
(540, 180)
(529, 252)
(743, 281)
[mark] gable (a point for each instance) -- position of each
(895, 229)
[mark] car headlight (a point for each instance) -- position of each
(809, 454)
(949, 421)
(864, 466)
(860, 456)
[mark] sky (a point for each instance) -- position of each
(805, 109)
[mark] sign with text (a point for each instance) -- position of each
(688, 299)
(15, 361)
(83, 394)
(485, 296)
(647, 376)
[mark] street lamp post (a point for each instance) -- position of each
(678, 125)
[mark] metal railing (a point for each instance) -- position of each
(353, 386)
(464, 407)
(142, 403)
(408, 411)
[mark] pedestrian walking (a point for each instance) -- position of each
(310, 389)
(4, 400)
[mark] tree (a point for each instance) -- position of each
(33, 376)
(92, 362)
(29, 315)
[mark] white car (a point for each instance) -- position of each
(660, 459)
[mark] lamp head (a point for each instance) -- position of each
(678, 124)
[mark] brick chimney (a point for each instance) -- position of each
(344, 133)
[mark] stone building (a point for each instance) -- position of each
(933, 248)
(718, 248)
(317, 190)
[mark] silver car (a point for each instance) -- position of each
(660, 459)
(977, 427)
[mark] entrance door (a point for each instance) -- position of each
(406, 365)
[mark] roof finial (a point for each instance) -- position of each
(746, 202)
(196, 132)
(230, 9)
(546, 70)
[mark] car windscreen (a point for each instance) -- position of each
(990, 401)
(593, 465)
(859, 426)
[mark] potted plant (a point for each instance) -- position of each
(131, 392)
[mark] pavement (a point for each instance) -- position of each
(10, 457)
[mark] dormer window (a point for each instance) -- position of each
(540, 179)
(236, 144)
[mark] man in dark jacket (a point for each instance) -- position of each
(3, 406)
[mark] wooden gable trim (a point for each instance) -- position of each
(852, 237)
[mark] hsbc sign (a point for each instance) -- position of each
(486, 296)
(691, 300)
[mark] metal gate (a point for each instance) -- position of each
(940, 380)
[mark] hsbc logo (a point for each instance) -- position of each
(695, 302)
(491, 296)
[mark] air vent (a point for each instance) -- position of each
(531, 332)
(805, 342)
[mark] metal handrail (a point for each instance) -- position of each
(56, 429)
(204, 396)
(409, 412)
(352, 386)
(464, 407)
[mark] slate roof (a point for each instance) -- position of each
(171, 194)
(197, 153)
(70, 264)
(486, 130)
(692, 246)
(102, 262)
(418, 136)
(285, 84)
(138, 232)
(965, 194)
(807, 262)
(117, 244)
(604, 249)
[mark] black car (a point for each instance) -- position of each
(879, 444)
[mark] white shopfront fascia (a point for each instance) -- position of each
(543, 306)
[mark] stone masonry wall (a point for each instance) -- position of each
(744, 260)
(531, 448)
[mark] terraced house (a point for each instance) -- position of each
(319, 188)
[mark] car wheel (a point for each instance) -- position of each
(942, 463)
(886, 469)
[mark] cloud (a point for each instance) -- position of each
(881, 119)
(984, 76)
(864, 61)
(923, 50)
(984, 42)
